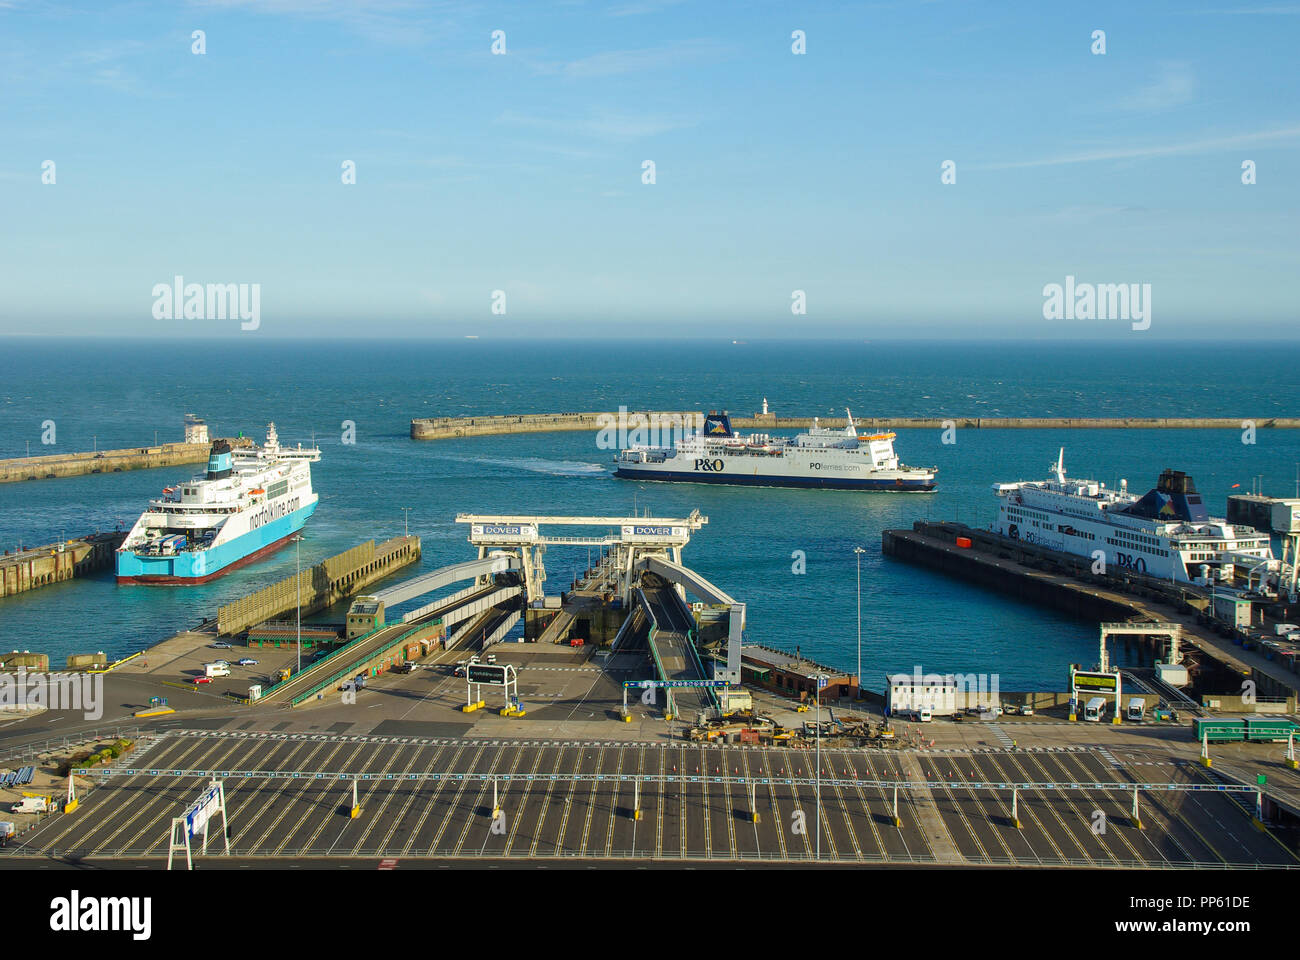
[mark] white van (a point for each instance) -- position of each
(924, 715)
(216, 669)
(1095, 710)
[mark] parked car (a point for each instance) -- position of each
(247, 662)
(407, 667)
(491, 658)
(1026, 711)
(458, 670)
(200, 679)
(359, 681)
(222, 645)
(347, 685)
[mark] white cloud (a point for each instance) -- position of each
(1174, 86)
(1211, 145)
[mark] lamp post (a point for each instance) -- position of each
(406, 514)
(817, 698)
(859, 551)
(297, 549)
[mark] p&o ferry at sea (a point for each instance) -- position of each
(823, 458)
(1167, 533)
(248, 503)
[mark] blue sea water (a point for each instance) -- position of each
(117, 394)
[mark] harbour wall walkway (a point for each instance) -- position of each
(442, 428)
(108, 461)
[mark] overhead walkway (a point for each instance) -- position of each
(429, 582)
(688, 578)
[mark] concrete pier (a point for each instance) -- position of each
(322, 585)
(443, 428)
(1064, 582)
(55, 562)
(108, 461)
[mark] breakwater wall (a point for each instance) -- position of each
(442, 428)
(322, 585)
(40, 566)
(108, 461)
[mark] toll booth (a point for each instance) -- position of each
(366, 615)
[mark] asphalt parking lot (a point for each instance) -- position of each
(421, 797)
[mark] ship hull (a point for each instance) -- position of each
(882, 484)
(201, 566)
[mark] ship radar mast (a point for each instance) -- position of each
(852, 429)
(1058, 468)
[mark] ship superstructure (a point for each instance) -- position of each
(1167, 532)
(249, 502)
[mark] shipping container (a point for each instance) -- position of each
(1219, 731)
(1268, 729)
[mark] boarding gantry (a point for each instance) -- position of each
(630, 540)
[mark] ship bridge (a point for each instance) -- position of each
(629, 540)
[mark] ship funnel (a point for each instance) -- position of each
(219, 461)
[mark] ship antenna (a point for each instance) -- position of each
(1059, 467)
(851, 429)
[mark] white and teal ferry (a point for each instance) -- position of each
(247, 504)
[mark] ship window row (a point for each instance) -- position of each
(1154, 551)
(1020, 514)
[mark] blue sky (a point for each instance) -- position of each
(775, 172)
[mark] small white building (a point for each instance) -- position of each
(196, 431)
(906, 693)
(1232, 608)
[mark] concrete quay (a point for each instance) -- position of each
(321, 585)
(1031, 573)
(37, 567)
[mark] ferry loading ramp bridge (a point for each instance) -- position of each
(645, 554)
(629, 539)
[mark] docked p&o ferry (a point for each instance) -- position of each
(822, 457)
(248, 503)
(1167, 533)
